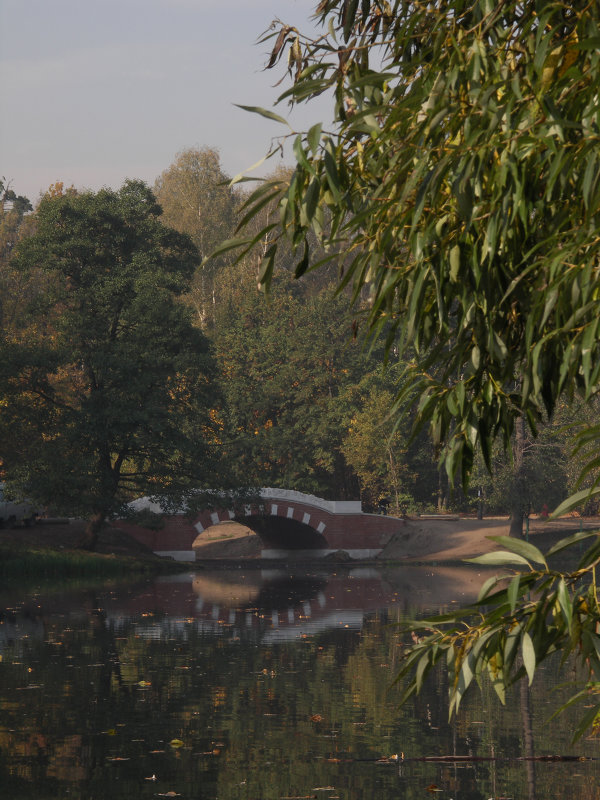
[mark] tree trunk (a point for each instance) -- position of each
(519, 489)
(92, 529)
(441, 496)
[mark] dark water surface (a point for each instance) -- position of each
(256, 684)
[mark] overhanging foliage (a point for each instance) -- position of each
(459, 187)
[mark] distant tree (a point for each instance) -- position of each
(542, 474)
(196, 199)
(15, 222)
(376, 443)
(8, 197)
(286, 368)
(109, 387)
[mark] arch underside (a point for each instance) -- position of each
(283, 533)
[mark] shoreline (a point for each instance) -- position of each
(50, 550)
(449, 540)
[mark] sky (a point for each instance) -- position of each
(96, 91)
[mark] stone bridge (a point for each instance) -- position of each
(285, 520)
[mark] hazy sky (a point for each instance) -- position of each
(94, 91)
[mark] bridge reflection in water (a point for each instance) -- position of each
(279, 605)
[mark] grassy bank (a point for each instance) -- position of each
(19, 563)
(53, 552)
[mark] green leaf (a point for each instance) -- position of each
(241, 177)
(529, 659)
(253, 211)
(510, 650)
(499, 687)
(266, 267)
(487, 586)
(333, 178)
(583, 694)
(500, 558)
(301, 156)
(454, 263)
(513, 592)
(575, 500)
(313, 137)
(264, 112)
(348, 15)
(304, 262)
(522, 548)
(422, 668)
(589, 718)
(564, 601)
(311, 199)
(464, 681)
(227, 245)
(570, 540)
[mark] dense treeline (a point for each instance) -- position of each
(308, 404)
(294, 396)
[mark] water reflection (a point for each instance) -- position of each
(258, 684)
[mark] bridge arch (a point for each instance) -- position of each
(286, 520)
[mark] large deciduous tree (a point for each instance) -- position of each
(109, 390)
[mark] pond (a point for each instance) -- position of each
(265, 685)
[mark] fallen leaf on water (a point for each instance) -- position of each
(433, 788)
(176, 743)
(144, 684)
(316, 718)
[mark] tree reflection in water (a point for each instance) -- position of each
(246, 685)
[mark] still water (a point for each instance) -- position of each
(262, 685)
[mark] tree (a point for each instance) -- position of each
(460, 187)
(375, 445)
(287, 367)
(109, 386)
(460, 184)
(15, 222)
(9, 198)
(196, 199)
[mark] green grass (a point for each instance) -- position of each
(18, 563)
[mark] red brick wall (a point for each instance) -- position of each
(342, 531)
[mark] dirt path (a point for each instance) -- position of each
(451, 539)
